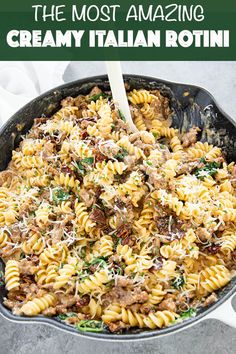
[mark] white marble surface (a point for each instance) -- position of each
(204, 338)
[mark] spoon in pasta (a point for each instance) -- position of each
(118, 91)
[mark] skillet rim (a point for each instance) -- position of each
(109, 336)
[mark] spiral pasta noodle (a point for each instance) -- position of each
(102, 227)
(38, 305)
(12, 275)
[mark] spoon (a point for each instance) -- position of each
(118, 91)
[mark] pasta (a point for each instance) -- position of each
(12, 275)
(100, 226)
(37, 305)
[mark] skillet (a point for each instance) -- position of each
(192, 106)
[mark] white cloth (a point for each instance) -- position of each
(20, 82)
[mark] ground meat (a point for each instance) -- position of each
(210, 300)
(27, 267)
(87, 196)
(129, 240)
(6, 177)
(84, 301)
(73, 320)
(213, 249)
(80, 102)
(10, 303)
(16, 234)
(122, 125)
(86, 122)
(57, 233)
(51, 311)
(172, 228)
(186, 167)
(67, 300)
(127, 212)
(117, 326)
(109, 148)
(168, 304)
(160, 105)
(47, 150)
(126, 297)
(67, 170)
(159, 183)
(95, 91)
(98, 156)
(98, 216)
(40, 120)
(190, 137)
(124, 282)
(134, 307)
(10, 253)
(68, 101)
(145, 308)
(124, 230)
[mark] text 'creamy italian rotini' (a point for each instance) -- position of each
(108, 229)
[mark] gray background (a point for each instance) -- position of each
(206, 337)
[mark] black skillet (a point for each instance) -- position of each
(192, 105)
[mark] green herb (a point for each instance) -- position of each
(155, 134)
(121, 115)
(101, 262)
(90, 326)
(64, 316)
(132, 275)
(119, 271)
(121, 155)
(83, 253)
(60, 195)
(61, 265)
(97, 96)
(22, 255)
(210, 169)
(149, 163)
(178, 282)
(88, 160)
(81, 165)
(191, 312)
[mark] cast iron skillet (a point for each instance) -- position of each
(192, 106)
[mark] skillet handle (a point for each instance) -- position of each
(224, 313)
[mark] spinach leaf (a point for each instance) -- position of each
(178, 282)
(81, 164)
(96, 97)
(210, 169)
(90, 326)
(121, 155)
(59, 195)
(88, 160)
(191, 312)
(64, 316)
(101, 262)
(80, 167)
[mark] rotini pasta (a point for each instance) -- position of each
(105, 226)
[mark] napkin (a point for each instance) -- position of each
(20, 82)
